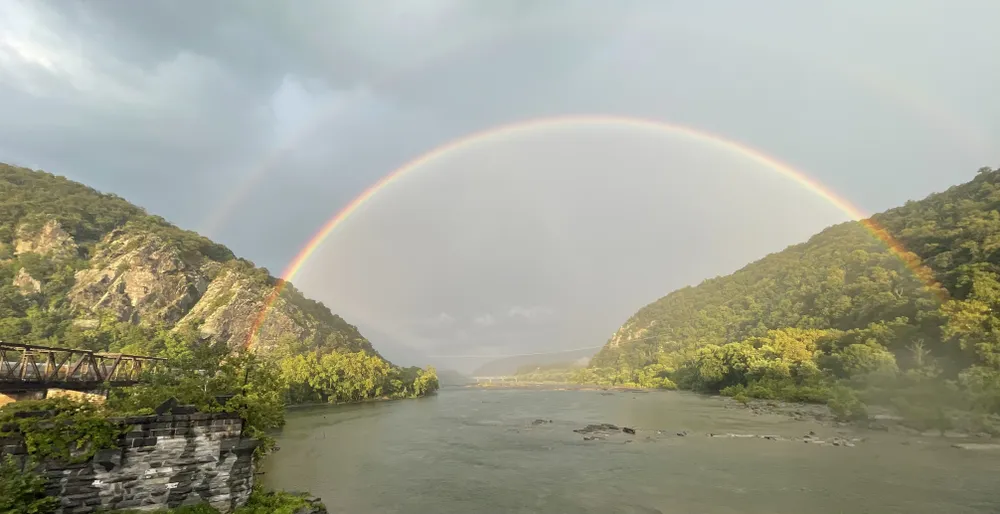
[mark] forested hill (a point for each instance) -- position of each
(839, 307)
(85, 269)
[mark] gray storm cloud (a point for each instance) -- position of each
(255, 121)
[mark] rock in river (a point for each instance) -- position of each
(603, 427)
(977, 446)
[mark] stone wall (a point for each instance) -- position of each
(163, 461)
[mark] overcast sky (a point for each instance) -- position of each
(254, 121)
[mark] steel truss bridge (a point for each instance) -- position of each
(25, 367)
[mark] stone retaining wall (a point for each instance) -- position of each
(163, 461)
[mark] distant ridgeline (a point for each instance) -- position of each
(82, 269)
(840, 318)
(558, 372)
(517, 363)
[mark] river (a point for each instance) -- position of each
(470, 450)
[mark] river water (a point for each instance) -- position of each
(470, 450)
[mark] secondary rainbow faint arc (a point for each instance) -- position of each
(873, 79)
(909, 259)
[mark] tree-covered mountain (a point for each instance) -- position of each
(83, 269)
(840, 314)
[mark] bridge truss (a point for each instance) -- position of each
(26, 367)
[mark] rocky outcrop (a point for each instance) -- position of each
(141, 278)
(26, 283)
(233, 303)
(313, 505)
(49, 240)
(629, 332)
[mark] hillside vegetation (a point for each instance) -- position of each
(83, 269)
(840, 318)
(559, 372)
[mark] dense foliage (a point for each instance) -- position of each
(60, 428)
(23, 493)
(840, 318)
(350, 377)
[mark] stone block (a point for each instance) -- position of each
(181, 410)
(165, 407)
(137, 420)
(108, 459)
(126, 504)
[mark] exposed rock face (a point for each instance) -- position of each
(26, 283)
(628, 332)
(233, 304)
(141, 278)
(51, 239)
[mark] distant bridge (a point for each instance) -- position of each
(501, 379)
(28, 368)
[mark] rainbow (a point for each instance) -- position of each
(483, 137)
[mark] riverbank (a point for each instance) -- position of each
(293, 406)
(558, 386)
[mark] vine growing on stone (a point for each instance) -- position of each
(60, 428)
(21, 491)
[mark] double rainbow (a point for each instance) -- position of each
(911, 260)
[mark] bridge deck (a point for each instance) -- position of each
(32, 367)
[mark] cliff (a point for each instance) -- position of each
(79, 267)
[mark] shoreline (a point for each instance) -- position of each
(560, 386)
(293, 406)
